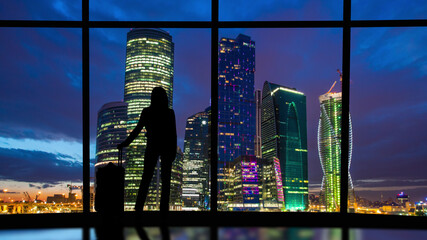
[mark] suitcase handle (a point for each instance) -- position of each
(120, 156)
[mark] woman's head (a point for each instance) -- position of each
(159, 98)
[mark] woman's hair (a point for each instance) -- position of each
(159, 98)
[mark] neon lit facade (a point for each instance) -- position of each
(196, 161)
(110, 131)
(236, 108)
(329, 146)
(246, 190)
(284, 136)
(149, 64)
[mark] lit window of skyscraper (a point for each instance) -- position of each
(236, 108)
(284, 137)
(149, 64)
(329, 146)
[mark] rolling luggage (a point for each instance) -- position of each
(109, 190)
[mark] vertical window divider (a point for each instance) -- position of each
(86, 110)
(345, 117)
(214, 117)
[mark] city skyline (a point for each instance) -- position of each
(391, 181)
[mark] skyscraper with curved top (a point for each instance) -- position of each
(284, 139)
(149, 64)
(329, 146)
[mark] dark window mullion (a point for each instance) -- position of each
(214, 117)
(86, 110)
(345, 117)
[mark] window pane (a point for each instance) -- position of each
(273, 86)
(191, 233)
(259, 10)
(126, 64)
(280, 233)
(388, 10)
(389, 234)
(41, 234)
(43, 10)
(388, 104)
(163, 10)
(41, 120)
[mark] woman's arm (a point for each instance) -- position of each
(134, 133)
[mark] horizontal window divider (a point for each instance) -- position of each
(209, 24)
(220, 219)
(388, 23)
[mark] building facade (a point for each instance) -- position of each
(258, 143)
(149, 64)
(196, 161)
(284, 137)
(110, 132)
(329, 146)
(236, 108)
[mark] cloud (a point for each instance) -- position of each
(5, 191)
(38, 167)
(42, 186)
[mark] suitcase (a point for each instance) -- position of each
(109, 191)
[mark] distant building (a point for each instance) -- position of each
(176, 182)
(110, 132)
(236, 107)
(56, 198)
(196, 161)
(329, 146)
(284, 138)
(258, 143)
(246, 184)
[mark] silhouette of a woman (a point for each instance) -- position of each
(159, 122)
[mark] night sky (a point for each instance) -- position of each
(40, 110)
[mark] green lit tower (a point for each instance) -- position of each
(329, 146)
(149, 64)
(284, 140)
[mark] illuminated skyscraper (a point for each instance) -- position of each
(111, 131)
(149, 64)
(196, 161)
(176, 181)
(258, 101)
(329, 146)
(284, 138)
(236, 108)
(246, 189)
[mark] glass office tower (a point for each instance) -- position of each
(110, 131)
(149, 64)
(329, 146)
(236, 108)
(284, 137)
(196, 161)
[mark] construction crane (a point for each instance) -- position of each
(72, 187)
(333, 85)
(27, 196)
(339, 72)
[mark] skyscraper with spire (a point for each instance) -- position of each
(149, 64)
(329, 146)
(236, 108)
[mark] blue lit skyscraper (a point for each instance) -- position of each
(236, 108)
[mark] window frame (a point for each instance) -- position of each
(213, 218)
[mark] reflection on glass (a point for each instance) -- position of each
(280, 233)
